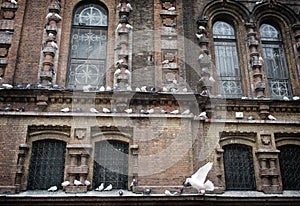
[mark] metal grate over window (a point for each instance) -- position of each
(111, 164)
(47, 164)
(239, 167)
(289, 158)
(227, 63)
(275, 62)
(87, 59)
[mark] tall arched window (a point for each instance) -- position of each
(87, 58)
(227, 62)
(275, 62)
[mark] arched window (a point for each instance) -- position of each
(289, 158)
(275, 62)
(87, 58)
(227, 62)
(111, 164)
(239, 167)
(47, 164)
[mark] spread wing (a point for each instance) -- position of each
(201, 174)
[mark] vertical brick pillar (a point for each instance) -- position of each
(46, 75)
(256, 61)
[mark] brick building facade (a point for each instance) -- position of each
(237, 61)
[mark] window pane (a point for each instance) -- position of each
(275, 62)
(88, 47)
(227, 63)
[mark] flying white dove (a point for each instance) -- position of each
(52, 189)
(108, 188)
(203, 115)
(176, 111)
(67, 109)
(100, 188)
(197, 180)
(93, 110)
(87, 183)
(65, 183)
(128, 111)
(271, 117)
(106, 110)
(77, 182)
(168, 193)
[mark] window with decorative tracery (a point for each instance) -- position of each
(88, 47)
(226, 60)
(275, 62)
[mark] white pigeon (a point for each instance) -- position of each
(186, 112)
(49, 15)
(102, 89)
(144, 89)
(65, 183)
(150, 111)
(87, 183)
(199, 36)
(176, 111)
(271, 117)
(203, 115)
(296, 98)
(168, 193)
(128, 26)
(93, 110)
(106, 110)
(197, 180)
(128, 111)
(7, 86)
(285, 98)
(108, 188)
(67, 109)
(108, 88)
(101, 187)
(77, 182)
(14, 2)
(54, 45)
(57, 16)
(52, 189)
(166, 61)
(128, 5)
(172, 8)
(137, 89)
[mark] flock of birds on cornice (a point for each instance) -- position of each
(198, 181)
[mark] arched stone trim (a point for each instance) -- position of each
(287, 138)
(245, 138)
